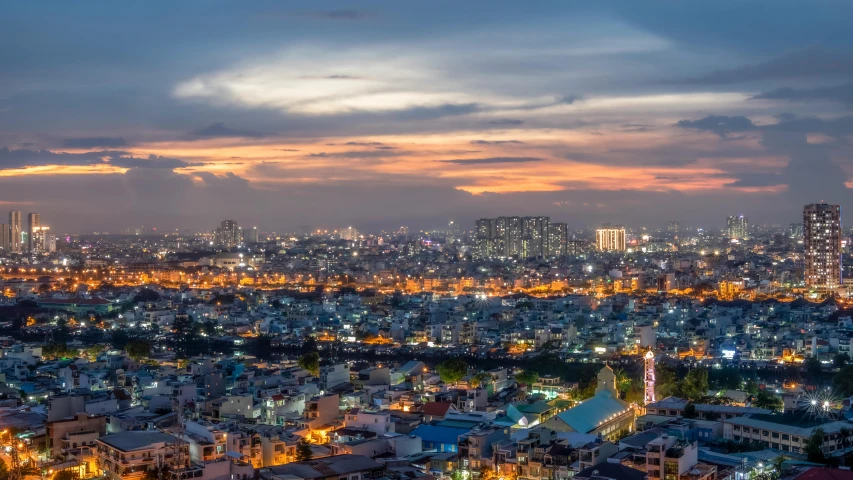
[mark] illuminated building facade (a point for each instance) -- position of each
(15, 231)
(610, 239)
(33, 232)
(229, 234)
(558, 239)
(649, 378)
(822, 240)
(521, 237)
(737, 227)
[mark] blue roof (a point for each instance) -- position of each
(439, 434)
(585, 417)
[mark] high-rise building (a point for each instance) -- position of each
(5, 237)
(33, 227)
(454, 233)
(512, 237)
(558, 238)
(48, 242)
(738, 227)
(534, 236)
(38, 239)
(350, 234)
(673, 228)
(610, 239)
(822, 241)
(250, 236)
(15, 231)
(228, 234)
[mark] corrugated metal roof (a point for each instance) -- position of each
(589, 414)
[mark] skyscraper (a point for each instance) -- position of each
(5, 237)
(512, 237)
(250, 236)
(15, 231)
(558, 238)
(822, 240)
(738, 227)
(228, 234)
(610, 239)
(33, 229)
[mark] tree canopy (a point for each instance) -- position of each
(310, 362)
(138, 349)
(451, 371)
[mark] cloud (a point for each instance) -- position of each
(94, 142)
(720, 124)
(496, 142)
(23, 158)
(837, 93)
(435, 112)
(811, 62)
(153, 161)
(484, 161)
(569, 99)
(342, 14)
(359, 154)
(506, 122)
(220, 130)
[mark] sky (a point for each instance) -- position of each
(379, 114)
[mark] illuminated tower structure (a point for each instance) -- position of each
(649, 378)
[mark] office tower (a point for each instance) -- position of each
(558, 238)
(15, 231)
(228, 234)
(250, 236)
(33, 226)
(738, 227)
(5, 237)
(610, 239)
(822, 240)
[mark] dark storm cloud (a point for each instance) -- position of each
(838, 93)
(496, 142)
(30, 158)
(483, 161)
(220, 130)
(720, 124)
(94, 142)
(511, 122)
(432, 113)
(815, 61)
(153, 161)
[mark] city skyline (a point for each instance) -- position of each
(390, 114)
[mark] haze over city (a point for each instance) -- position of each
(380, 114)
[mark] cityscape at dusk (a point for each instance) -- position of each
(468, 240)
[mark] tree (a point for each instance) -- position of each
(813, 368)
(527, 377)
(65, 475)
(695, 384)
(304, 451)
(310, 362)
(768, 400)
(309, 345)
(667, 382)
(146, 295)
(138, 349)
(841, 360)
(451, 371)
(480, 379)
(93, 351)
(690, 410)
(751, 387)
(4, 470)
(119, 339)
(623, 381)
(814, 445)
(263, 347)
(58, 350)
(842, 382)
